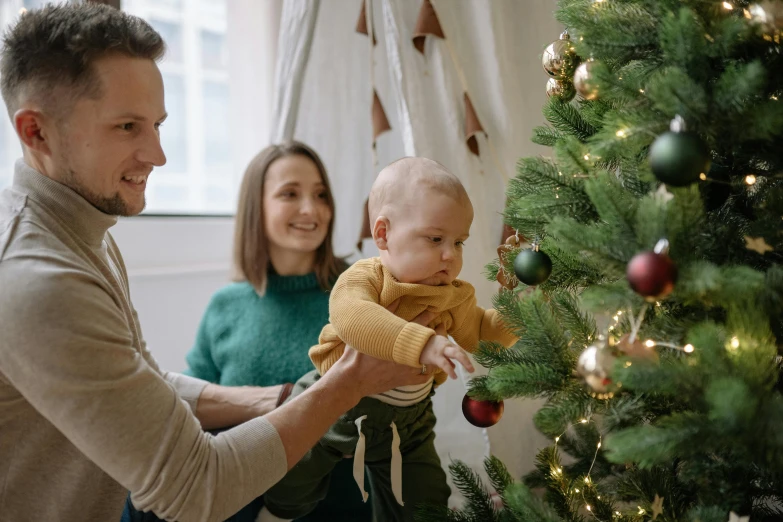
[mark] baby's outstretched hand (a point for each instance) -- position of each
(440, 351)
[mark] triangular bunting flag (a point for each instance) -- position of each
(380, 123)
(361, 23)
(427, 24)
(472, 126)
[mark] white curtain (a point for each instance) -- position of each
(497, 45)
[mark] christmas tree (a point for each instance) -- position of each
(652, 238)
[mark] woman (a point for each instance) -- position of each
(257, 331)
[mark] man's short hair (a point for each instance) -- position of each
(48, 54)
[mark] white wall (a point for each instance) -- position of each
(174, 267)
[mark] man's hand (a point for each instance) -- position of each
(369, 375)
(440, 351)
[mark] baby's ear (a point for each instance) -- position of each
(380, 229)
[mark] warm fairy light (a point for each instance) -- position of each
(619, 312)
(587, 480)
(588, 507)
(598, 497)
(583, 421)
(649, 343)
(559, 470)
(587, 157)
(657, 303)
(599, 445)
(557, 439)
(559, 173)
(627, 364)
(688, 348)
(734, 342)
(702, 176)
(750, 179)
(773, 97)
(622, 133)
(641, 510)
(728, 6)
(576, 489)
(617, 513)
(641, 91)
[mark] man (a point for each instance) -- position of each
(85, 412)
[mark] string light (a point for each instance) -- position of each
(622, 133)
(557, 471)
(688, 348)
(734, 343)
(703, 176)
(773, 97)
(641, 91)
(728, 6)
(750, 179)
(649, 343)
(587, 157)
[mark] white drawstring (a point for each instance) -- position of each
(396, 466)
(396, 462)
(358, 459)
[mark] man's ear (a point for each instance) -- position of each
(380, 231)
(29, 125)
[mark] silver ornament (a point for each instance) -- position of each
(585, 82)
(559, 57)
(595, 365)
(560, 89)
(767, 15)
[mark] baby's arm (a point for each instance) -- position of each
(473, 324)
(361, 322)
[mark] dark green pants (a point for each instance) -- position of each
(423, 478)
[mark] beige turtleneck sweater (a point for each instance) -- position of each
(86, 414)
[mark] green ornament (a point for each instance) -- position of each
(679, 157)
(532, 266)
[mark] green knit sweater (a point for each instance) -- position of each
(247, 339)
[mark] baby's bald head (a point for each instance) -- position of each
(406, 180)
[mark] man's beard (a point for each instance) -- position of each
(113, 206)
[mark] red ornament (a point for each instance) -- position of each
(482, 414)
(652, 275)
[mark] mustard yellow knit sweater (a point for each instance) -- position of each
(358, 317)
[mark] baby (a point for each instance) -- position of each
(420, 215)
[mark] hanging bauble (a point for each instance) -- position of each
(559, 57)
(767, 16)
(482, 414)
(532, 266)
(561, 89)
(595, 366)
(679, 157)
(652, 274)
(585, 82)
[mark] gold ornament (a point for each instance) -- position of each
(559, 57)
(595, 365)
(757, 244)
(657, 506)
(563, 90)
(767, 15)
(584, 80)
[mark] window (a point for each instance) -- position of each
(217, 74)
